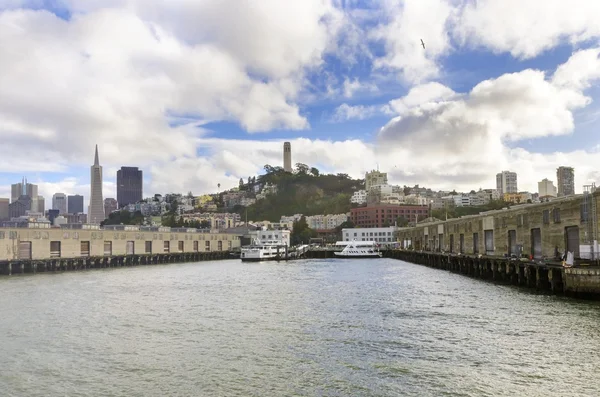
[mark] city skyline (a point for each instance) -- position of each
(348, 85)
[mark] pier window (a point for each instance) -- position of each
(180, 246)
(229, 245)
(196, 246)
(546, 217)
(207, 246)
(219, 245)
(148, 247)
(54, 249)
(130, 250)
(108, 248)
(556, 215)
(25, 250)
(84, 248)
(166, 247)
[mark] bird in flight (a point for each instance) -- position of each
(423, 44)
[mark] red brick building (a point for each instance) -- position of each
(378, 215)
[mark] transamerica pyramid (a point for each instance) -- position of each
(96, 208)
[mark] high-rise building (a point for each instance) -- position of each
(375, 178)
(506, 182)
(96, 207)
(129, 186)
(23, 189)
(287, 157)
(75, 204)
(4, 203)
(110, 205)
(546, 188)
(59, 202)
(38, 204)
(565, 178)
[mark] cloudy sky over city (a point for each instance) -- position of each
(202, 92)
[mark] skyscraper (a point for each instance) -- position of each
(129, 186)
(287, 157)
(546, 188)
(38, 204)
(506, 182)
(59, 202)
(75, 204)
(110, 205)
(96, 207)
(565, 178)
(23, 189)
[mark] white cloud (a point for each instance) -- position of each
(346, 112)
(422, 95)
(412, 21)
(527, 28)
(353, 86)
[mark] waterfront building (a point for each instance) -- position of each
(378, 234)
(28, 240)
(380, 215)
(130, 183)
(506, 182)
(287, 157)
(75, 204)
(23, 189)
(546, 189)
(375, 178)
(282, 235)
(565, 177)
(59, 202)
(110, 205)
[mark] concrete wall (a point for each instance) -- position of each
(520, 220)
(71, 242)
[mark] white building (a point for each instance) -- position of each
(59, 202)
(415, 199)
(282, 235)
(378, 234)
(461, 200)
(506, 182)
(546, 188)
(359, 197)
(290, 219)
(320, 222)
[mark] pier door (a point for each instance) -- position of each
(461, 244)
(475, 243)
(536, 243)
(572, 240)
(489, 242)
(512, 242)
(452, 243)
(25, 250)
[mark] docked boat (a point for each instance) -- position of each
(359, 250)
(263, 250)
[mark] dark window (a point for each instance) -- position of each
(546, 217)
(556, 215)
(583, 212)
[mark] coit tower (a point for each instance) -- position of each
(96, 208)
(287, 157)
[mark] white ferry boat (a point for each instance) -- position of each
(359, 250)
(263, 250)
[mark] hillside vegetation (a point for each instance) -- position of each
(306, 191)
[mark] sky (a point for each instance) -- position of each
(204, 92)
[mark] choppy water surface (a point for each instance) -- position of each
(306, 328)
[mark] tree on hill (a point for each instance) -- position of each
(301, 233)
(124, 217)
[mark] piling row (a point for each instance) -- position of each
(550, 277)
(55, 265)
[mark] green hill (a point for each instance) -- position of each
(305, 191)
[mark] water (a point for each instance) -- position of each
(304, 328)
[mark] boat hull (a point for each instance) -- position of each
(357, 256)
(258, 259)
